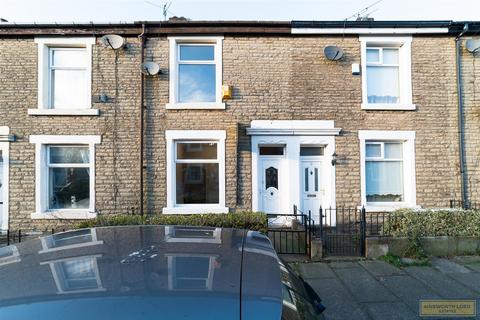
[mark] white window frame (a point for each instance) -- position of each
(409, 178)
(175, 42)
(173, 136)
(93, 242)
(405, 71)
(45, 45)
(41, 176)
(172, 274)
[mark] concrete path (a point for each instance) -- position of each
(376, 290)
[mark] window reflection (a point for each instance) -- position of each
(191, 272)
(70, 239)
(78, 274)
(9, 255)
(193, 234)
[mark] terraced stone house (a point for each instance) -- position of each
(240, 116)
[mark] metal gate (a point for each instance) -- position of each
(290, 233)
(343, 231)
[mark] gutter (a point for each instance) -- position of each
(461, 124)
(141, 120)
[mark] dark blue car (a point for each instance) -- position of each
(151, 272)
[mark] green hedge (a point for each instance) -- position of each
(242, 220)
(432, 222)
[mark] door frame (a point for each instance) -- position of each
(322, 187)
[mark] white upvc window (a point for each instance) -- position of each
(195, 171)
(64, 76)
(387, 169)
(386, 73)
(195, 73)
(64, 177)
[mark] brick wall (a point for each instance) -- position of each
(275, 78)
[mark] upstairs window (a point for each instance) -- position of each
(67, 78)
(386, 73)
(195, 73)
(64, 76)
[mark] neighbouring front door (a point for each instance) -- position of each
(311, 187)
(270, 185)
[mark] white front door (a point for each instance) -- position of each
(271, 188)
(311, 187)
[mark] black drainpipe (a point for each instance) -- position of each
(461, 137)
(142, 80)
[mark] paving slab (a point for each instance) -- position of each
(316, 270)
(441, 284)
(391, 311)
(380, 268)
(343, 264)
(471, 280)
(467, 259)
(339, 303)
(409, 290)
(448, 266)
(363, 286)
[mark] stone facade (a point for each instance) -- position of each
(274, 77)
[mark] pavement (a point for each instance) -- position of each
(372, 289)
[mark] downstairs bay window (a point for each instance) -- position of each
(387, 169)
(65, 176)
(195, 171)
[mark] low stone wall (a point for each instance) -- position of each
(434, 246)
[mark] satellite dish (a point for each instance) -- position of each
(473, 45)
(150, 68)
(113, 41)
(333, 53)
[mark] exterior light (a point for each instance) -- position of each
(334, 159)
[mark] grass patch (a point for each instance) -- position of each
(405, 262)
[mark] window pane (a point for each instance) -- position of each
(192, 232)
(197, 183)
(383, 85)
(70, 58)
(271, 178)
(272, 151)
(79, 274)
(68, 238)
(390, 56)
(196, 83)
(69, 188)
(197, 150)
(197, 52)
(373, 55)
(384, 181)
(311, 151)
(373, 150)
(69, 155)
(393, 150)
(306, 179)
(316, 179)
(68, 89)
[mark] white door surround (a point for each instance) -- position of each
(5, 139)
(292, 135)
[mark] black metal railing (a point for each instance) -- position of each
(342, 230)
(459, 204)
(291, 233)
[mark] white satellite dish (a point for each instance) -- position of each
(150, 68)
(473, 45)
(333, 53)
(113, 41)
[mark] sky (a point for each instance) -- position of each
(136, 10)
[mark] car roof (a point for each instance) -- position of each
(134, 272)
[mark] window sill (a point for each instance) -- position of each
(388, 207)
(194, 210)
(63, 112)
(63, 214)
(388, 106)
(196, 105)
